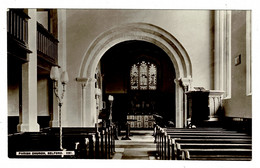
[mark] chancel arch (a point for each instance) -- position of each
(140, 32)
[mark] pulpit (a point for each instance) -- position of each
(204, 105)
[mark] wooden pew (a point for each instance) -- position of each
(159, 132)
(100, 142)
(233, 144)
(107, 141)
(75, 135)
(215, 154)
(166, 149)
(219, 151)
(31, 141)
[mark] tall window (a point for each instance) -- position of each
(143, 76)
(248, 54)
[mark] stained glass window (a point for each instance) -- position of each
(152, 77)
(143, 76)
(134, 77)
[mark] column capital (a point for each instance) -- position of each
(183, 81)
(186, 81)
(85, 81)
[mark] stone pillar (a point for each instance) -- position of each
(179, 104)
(181, 86)
(83, 98)
(186, 85)
(28, 114)
(55, 113)
(88, 111)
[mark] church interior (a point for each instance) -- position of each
(129, 84)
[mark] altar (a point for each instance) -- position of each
(140, 120)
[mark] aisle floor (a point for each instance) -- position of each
(140, 147)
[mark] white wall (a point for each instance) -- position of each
(42, 97)
(193, 29)
(13, 100)
(240, 104)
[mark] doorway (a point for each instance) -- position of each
(154, 89)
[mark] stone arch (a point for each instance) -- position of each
(135, 31)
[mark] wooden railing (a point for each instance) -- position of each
(17, 26)
(47, 44)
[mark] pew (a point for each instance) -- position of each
(163, 146)
(88, 142)
(237, 154)
(211, 140)
(207, 144)
(31, 141)
(195, 151)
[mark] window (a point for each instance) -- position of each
(143, 76)
(248, 55)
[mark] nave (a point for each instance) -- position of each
(163, 143)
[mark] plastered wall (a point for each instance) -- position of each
(240, 104)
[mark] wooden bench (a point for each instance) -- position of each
(91, 142)
(215, 154)
(163, 146)
(228, 151)
(198, 139)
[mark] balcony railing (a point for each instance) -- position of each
(17, 26)
(47, 44)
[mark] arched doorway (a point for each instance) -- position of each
(142, 32)
(140, 76)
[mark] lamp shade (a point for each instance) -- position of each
(110, 98)
(64, 77)
(54, 74)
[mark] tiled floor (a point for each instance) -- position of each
(140, 147)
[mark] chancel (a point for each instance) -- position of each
(129, 84)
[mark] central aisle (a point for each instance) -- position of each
(140, 147)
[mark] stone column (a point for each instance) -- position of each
(181, 86)
(28, 113)
(55, 113)
(83, 100)
(88, 111)
(179, 104)
(186, 85)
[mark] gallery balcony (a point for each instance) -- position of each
(47, 48)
